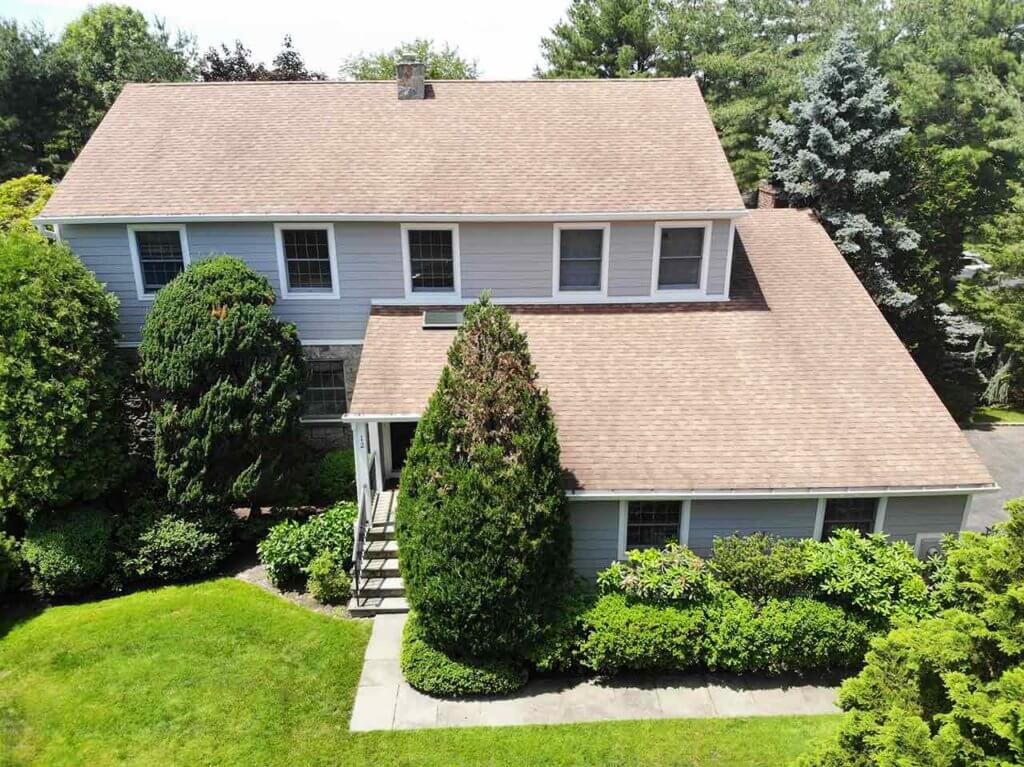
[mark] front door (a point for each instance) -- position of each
(401, 438)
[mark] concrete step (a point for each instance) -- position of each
(367, 607)
(380, 568)
(382, 587)
(380, 550)
(380, 533)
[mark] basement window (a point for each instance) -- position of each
(325, 398)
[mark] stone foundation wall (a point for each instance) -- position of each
(332, 436)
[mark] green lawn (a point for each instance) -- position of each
(224, 673)
(998, 415)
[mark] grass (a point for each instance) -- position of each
(223, 673)
(998, 415)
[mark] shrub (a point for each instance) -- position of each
(59, 438)
(68, 554)
(433, 672)
(784, 635)
(226, 379)
(290, 547)
(482, 521)
(337, 476)
(871, 575)
(154, 544)
(760, 566)
(328, 582)
(10, 563)
(670, 575)
(21, 200)
(619, 636)
(558, 648)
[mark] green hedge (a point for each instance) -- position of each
(760, 566)
(433, 672)
(673, 575)
(290, 547)
(10, 563)
(328, 580)
(68, 554)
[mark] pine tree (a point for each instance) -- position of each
(482, 522)
(836, 155)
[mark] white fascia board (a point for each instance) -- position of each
(599, 495)
(440, 218)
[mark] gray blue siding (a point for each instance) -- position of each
(512, 260)
(906, 516)
(710, 519)
(595, 535)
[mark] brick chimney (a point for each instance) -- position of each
(410, 79)
(768, 196)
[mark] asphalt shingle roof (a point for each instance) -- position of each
(797, 382)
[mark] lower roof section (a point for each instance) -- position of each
(796, 382)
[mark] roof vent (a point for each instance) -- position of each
(441, 319)
(410, 76)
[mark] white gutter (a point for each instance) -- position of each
(379, 417)
(660, 215)
(810, 492)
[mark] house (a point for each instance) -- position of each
(712, 369)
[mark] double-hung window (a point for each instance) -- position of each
(581, 258)
(680, 256)
(652, 524)
(850, 513)
(159, 254)
(431, 256)
(306, 260)
(325, 397)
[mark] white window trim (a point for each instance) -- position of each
(705, 258)
(282, 265)
(684, 523)
(881, 503)
(880, 507)
(133, 247)
(432, 295)
(556, 259)
(329, 418)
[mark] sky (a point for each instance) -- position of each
(503, 37)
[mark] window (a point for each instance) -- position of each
(306, 261)
(431, 253)
(581, 257)
(652, 524)
(849, 513)
(159, 254)
(325, 391)
(680, 255)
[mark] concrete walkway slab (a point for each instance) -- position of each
(385, 702)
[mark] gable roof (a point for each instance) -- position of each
(797, 382)
(471, 147)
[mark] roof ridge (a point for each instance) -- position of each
(529, 81)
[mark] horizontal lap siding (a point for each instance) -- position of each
(595, 535)
(719, 257)
(907, 516)
(631, 250)
(510, 260)
(710, 519)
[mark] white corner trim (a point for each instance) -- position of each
(684, 523)
(705, 258)
(883, 503)
(282, 266)
(133, 248)
(556, 259)
(432, 295)
(623, 520)
(967, 511)
(729, 255)
(819, 519)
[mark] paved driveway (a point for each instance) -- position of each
(1002, 450)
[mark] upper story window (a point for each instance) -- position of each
(306, 261)
(681, 252)
(850, 513)
(325, 398)
(581, 258)
(159, 254)
(431, 258)
(652, 524)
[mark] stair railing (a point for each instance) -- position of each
(367, 502)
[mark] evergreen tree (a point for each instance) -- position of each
(225, 376)
(836, 155)
(603, 38)
(482, 521)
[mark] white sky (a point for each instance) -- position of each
(504, 37)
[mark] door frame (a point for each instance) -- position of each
(385, 448)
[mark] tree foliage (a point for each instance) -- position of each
(22, 199)
(442, 63)
(59, 440)
(603, 38)
(482, 523)
(237, 65)
(226, 377)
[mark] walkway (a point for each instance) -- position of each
(385, 702)
(1001, 447)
